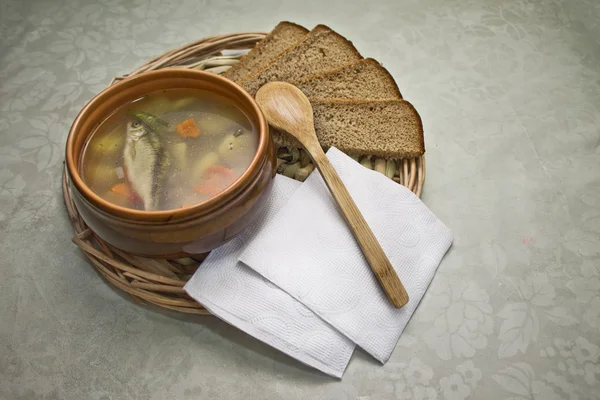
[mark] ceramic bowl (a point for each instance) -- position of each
(181, 232)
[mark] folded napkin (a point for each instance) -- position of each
(243, 298)
(308, 251)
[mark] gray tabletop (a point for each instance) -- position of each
(509, 92)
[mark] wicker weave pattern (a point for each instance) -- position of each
(161, 282)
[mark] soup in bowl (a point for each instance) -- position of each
(170, 163)
(169, 149)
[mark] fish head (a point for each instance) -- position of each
(135, 129)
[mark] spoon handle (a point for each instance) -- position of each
(378, 261)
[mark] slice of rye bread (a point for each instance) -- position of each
(321, 50)
(283, 36)
(365, 80)
(382, 128)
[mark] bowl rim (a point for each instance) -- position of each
(178, 214)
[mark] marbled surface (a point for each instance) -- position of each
(509, 92)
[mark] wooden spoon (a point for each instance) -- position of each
(288, 109)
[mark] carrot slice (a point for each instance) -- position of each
(225, 172)
(216, 179)
(188, 128)
(122, 189)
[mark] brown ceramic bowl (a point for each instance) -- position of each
(182, 232)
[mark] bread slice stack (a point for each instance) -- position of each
(357, 105)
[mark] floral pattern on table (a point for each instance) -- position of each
(509, 94)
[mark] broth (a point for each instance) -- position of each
(169, 149)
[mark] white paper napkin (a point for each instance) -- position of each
(243, 298)
(309, 252)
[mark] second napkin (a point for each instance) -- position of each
(243, 298)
